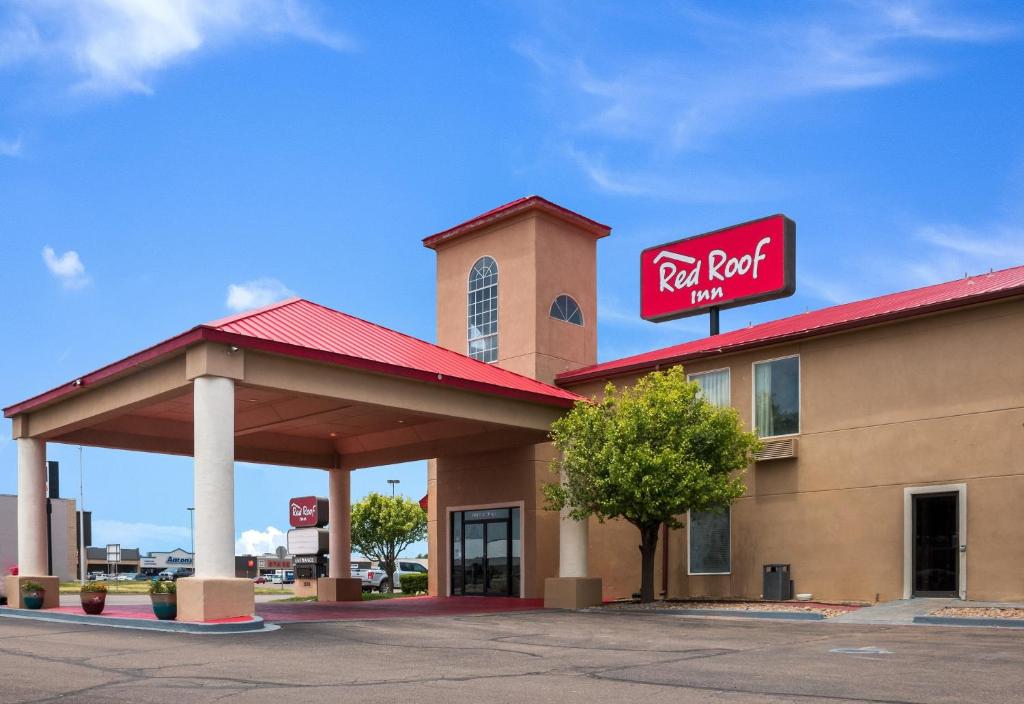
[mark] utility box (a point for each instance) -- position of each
(777, 584)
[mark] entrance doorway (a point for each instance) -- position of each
(936, 544)
(485, 552)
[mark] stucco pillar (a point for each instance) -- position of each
(340, 522)
(214, 430)
(214, 592)
(572, 588)
(572, 547)
(32, 562)
(32, 507)
(339, 585)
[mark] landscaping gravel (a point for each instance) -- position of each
(979, 612)
(826, 610)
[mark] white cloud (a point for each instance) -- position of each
(112, 46)
(257, 542)
(146, 536)
(10, 147)
(256, 294)
(68, 267)
(726, 72)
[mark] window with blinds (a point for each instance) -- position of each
(714, 386)
(709, 542)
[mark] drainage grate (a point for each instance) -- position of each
(867, 650)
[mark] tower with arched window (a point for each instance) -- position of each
(517, 287)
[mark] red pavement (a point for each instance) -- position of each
(139, 611)
(403, 607)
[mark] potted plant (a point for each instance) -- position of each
(94, 597)
(32, 595)
(164, 596)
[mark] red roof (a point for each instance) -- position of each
(301, 328)
(520, 205)
(920, 301)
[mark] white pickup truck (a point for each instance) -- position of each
(374, 578)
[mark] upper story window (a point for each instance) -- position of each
(777, 397)
(565, 308)
(482, 315)
(714, 386)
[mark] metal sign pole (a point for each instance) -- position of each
(714, 320)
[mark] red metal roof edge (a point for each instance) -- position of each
(511, 209)
(113, 369)
(424, 342)
(336, 358)
(250, 313)
(208, 332)
(608, 370)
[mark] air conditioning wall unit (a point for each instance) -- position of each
(783, 449)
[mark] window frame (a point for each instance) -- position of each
(583, 318)
(689, 543)
(497, 293)
(799, 396)
(728, 370)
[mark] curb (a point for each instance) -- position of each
(253, 626)
(963, 621)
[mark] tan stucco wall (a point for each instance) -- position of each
(937, 400)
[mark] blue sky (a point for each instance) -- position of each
(159, 164)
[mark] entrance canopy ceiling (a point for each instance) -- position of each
(314, 387)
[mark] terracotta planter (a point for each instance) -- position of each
(93, 602)
(33, 600)
(165, 606)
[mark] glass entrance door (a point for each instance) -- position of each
(485, 552)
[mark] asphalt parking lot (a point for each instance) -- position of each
(529, 656)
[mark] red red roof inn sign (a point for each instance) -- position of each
(734, 266)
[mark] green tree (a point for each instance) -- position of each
(648, 454)
(383, 526)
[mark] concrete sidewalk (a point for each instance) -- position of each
(903, 611)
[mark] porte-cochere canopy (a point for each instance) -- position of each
(314, 387)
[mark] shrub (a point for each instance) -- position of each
(412, 583)
(89, 587)
(32, 587)
(163, 588)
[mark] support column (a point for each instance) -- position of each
(32, 554)
(214, 429)
(339, 585)
(214, 592)
(572, 588)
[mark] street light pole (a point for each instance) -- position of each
(192, 533)
(81, 518)
(392, 482)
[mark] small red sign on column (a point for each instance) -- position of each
(308, 511)
(755, 261)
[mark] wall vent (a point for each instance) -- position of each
(777, 450)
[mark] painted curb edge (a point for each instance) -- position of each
(964, 621)
(255, 625)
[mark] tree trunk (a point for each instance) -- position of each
(648, 547)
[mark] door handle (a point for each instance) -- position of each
(963, 548)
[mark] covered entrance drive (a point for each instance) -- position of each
(293, 384)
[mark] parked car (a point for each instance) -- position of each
(97, 576)
(406, 568)
(283, 577)
(125, 577)
(373, 578)
(259, 580)
(174, 574)
(143, 577)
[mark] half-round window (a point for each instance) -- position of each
(482, 312)
(565, 308)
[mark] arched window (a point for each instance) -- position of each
(565, 308)
(482, 314)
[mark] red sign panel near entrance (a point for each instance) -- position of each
(755, 261)
(307, 512)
